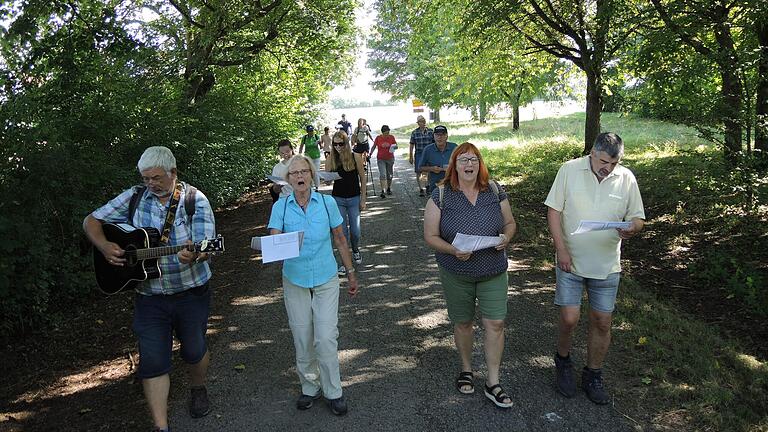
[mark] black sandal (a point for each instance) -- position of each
(498, 398)
(465, 379)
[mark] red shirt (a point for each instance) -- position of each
(383, 143)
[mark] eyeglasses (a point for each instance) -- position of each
(303, 172)
(467, 160)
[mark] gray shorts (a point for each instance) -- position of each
(600, 292)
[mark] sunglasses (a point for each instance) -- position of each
(338, 144)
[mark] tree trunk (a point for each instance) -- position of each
(730, 91)
(483, 111)
(198, 78)
(594, 108)
(436, 117)
(516, 105)
(761, 106)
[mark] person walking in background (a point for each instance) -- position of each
(178, 302)
(435, 158)
(385, 145)
(421, 137)
(592, 187)
(325, 141)
(311, 287)
(468, 202)
(309, 147)
(280, 170)
(361, 138)
(348, 191)
(344, 125)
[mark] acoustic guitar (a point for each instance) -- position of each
(141, 254)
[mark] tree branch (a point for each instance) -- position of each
(697, 45)
(185, 14)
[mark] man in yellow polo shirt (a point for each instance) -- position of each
(597, 188)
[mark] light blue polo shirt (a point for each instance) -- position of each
(432, 156)
(315, 264)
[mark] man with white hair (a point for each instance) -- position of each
(179, 300)
(421, 137)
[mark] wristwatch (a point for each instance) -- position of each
(351, 270)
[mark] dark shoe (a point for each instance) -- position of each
(566, 383)
(305, 401)
(338, 406)
(199, 405)
(498, 397)
(421, 192)
(465, 380)
(389, 191)
(357, 257)
(592, 383)
(382, 195)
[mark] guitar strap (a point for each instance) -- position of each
(171, 215)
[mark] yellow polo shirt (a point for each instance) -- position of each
(577, 195)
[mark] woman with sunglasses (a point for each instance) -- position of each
(348, 191)
(466, 201)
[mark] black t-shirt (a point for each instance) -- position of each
(349, 184)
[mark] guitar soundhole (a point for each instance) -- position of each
(130, 255)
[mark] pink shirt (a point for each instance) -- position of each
(383, 144)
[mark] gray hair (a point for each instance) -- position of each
(421, 117)
(301, 157)
(157, 157)
(609, 143)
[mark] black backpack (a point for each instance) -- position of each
(189, 201)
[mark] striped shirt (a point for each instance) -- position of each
(150, 212)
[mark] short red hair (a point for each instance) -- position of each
(452, 177)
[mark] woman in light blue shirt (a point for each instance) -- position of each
(311, 285)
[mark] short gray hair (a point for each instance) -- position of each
(609, 143)
(420, 117)
(301, 157)
(157, 157)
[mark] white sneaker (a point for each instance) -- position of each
(357, 257)
(342, 270)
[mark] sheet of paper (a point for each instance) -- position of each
(279, 246)
(329, 176)
(471, 243)
(277, 180)
(590, 225)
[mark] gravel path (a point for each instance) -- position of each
(398, 362)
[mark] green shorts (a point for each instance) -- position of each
(461, 292)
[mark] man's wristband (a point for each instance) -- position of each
(351, 270)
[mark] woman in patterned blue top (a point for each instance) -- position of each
(467, 202)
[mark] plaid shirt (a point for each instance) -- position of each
(421, 139)
(150, 212)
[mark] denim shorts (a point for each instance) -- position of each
(157, 317)
(461, 291)
(600, 292)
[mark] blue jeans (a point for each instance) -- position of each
(157, 317)
(601, 292)
(350, 211)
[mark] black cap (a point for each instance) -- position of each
(441, 129)
(310, 128)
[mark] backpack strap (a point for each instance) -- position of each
(138, 192)
(325, 204)
(189, 201)
(494, 187)
(190, 197)
(441, 190)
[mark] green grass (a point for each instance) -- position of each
(707, 227)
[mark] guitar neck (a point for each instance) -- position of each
(157, 252)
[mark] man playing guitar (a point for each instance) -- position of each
(179, 300)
